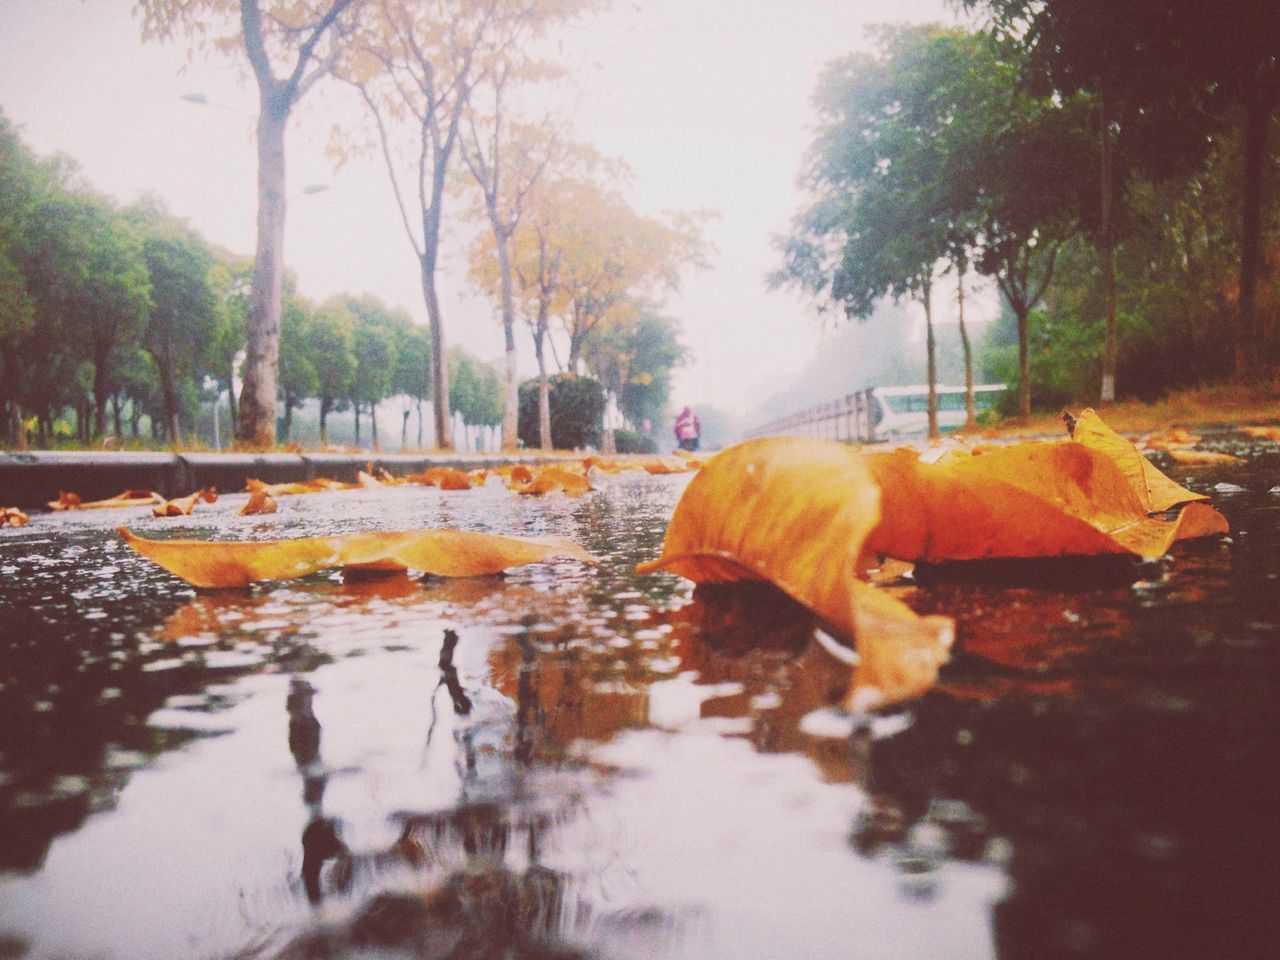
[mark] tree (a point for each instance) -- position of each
(633, 359)
(423, 63)
(506, 172)
(374, 348)
(477, 390)
(231, 279)
(298, 376)
(332, 345)
(1146, 73)
(107, 290)
(929, 151)
(413, 355)
(303, 41)
(183, 315)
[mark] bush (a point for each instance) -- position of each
(628, 441)
(577, 412)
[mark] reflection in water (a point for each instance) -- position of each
(322, 836)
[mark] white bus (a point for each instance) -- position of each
(902, 412)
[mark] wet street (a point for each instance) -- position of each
(574, 761)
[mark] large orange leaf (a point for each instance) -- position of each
(1032, 499)
(1155, 491)
(446, 553)
(795, 512)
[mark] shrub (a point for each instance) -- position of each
(628, 441)
(577, 412)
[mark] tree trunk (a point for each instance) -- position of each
(135, 419)
(373, 426)
(420, 424)
(101, 356)
(404, 429)
(544, 382)
(256, 425)
(116, 417)
(288, 420)
(169, 397)
(231, 397)
(931, 347)
(439, 362)
(324, 416)
(1024, 362)
(1107, 250)
(356, 407)
(511, 376)
(970, 408)
(1250, 341)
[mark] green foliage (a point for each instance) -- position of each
(629, 441)
(577, 412)
(333, 354)
(475, 389)
(633, 358)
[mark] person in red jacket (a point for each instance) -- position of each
(688, 430)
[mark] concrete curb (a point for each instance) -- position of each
(32, 479)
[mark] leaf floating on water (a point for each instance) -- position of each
(129, 498)
(1201, 458)
(1262, 433)
(795, 513)
(444, 553)
(259, 502)
(183, 506)
(13, 517)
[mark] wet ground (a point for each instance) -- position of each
(577, 762)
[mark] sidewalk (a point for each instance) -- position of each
(32, 479)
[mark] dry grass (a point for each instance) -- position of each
(1219, 406)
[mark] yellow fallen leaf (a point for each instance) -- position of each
(1155, 491)
(1262, 433)
(446, 553)
(182, 506)
(553, 479)
(129, 498)
(318, 485)
(259, 502)
(795, 512)
(1032, 499)
(1202, 458)
(13, 517)
(446, 478)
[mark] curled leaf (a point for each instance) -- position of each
(553, 479)
(259, 502)
(1155, 491)
(13, 517)
(446, 478)
(445, 553)
(795, 513)
(1025, 500)
(182, 506)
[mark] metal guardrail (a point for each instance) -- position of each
(851, 419)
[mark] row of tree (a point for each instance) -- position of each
(128, 315)
(125, 314)
(1102, 160)
(439, 81)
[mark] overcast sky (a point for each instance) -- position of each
(707, 100)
